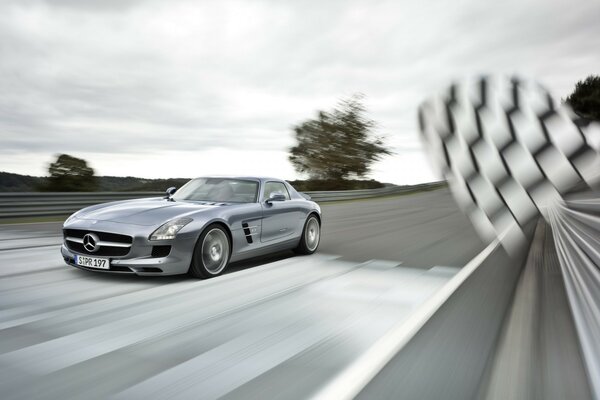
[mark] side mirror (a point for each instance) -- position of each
(170, 192)
(276, 196)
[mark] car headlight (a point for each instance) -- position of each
(169, 230)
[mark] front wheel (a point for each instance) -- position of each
(311, 236)
(211, 254)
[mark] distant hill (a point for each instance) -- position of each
(19, 183)
(316, 185)
(10, 182)
(133, 184)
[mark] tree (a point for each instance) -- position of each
(70, 174)
(337, 144)
(585, 99)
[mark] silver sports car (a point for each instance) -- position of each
(199, 228)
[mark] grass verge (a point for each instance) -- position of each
(32, 220)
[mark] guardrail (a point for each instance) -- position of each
(576, 229)
(24, 205)
(326, 196)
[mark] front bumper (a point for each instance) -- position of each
(139, 260)
(170, 265)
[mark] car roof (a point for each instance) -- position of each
(260, 178)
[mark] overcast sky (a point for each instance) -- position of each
(185, 88)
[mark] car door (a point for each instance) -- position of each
(279, 217)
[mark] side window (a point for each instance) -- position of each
(276, 187)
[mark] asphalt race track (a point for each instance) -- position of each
(421, 230)
(277, 327)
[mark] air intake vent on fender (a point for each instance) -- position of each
(247, 232)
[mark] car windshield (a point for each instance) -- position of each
(218, 190)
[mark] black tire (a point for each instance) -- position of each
(307, 243)
(211, 253)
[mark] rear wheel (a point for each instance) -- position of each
(311, 236)
(211, 254)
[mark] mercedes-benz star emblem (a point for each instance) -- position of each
(90, 242)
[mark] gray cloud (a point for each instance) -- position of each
(128, 77)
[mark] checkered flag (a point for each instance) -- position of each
(508, 150)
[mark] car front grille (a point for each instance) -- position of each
(109, 244)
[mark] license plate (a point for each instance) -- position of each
(92, 262)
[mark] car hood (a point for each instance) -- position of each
(144, 211)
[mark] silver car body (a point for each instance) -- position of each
(123, 228)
